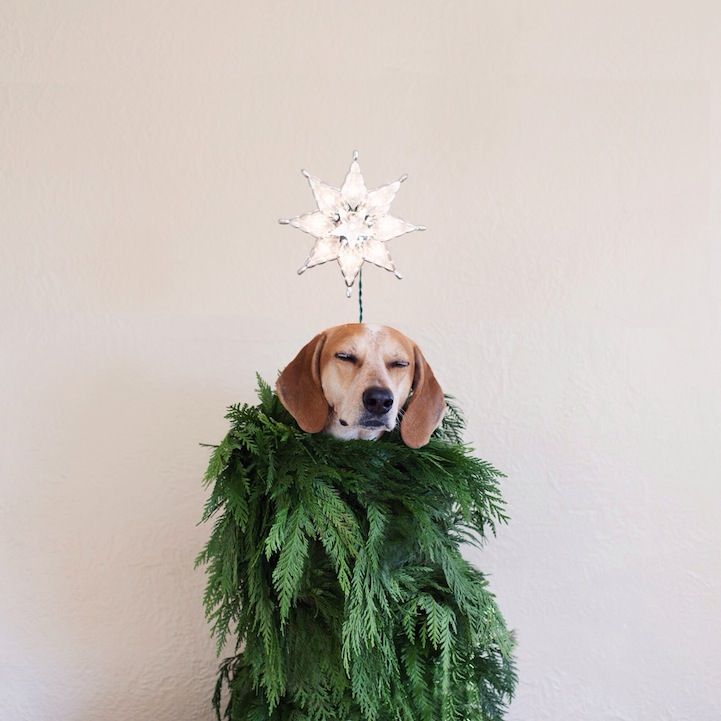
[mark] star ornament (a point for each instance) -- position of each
(352, 224)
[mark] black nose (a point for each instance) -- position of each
(377, 400)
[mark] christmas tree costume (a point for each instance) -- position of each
(336, 565)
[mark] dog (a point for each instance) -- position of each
(353, 381)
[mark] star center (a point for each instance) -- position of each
(353, 229)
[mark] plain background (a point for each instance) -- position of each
(566, 158)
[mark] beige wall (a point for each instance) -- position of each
(566, 158)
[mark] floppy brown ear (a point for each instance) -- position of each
(425, 408)
(299, 388)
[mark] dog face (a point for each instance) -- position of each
(352, 380)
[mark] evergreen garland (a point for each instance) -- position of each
(336, 567)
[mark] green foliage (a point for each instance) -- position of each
(336, 568)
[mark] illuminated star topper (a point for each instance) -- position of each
(352, 224)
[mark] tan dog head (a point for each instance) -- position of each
(352, 380)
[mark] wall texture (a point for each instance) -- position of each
(566, 158)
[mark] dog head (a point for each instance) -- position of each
(353, 380)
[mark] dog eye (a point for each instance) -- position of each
(398, 364)
(349, 357)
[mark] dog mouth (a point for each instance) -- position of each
(375, 423)
(369, 422)
(366, 423)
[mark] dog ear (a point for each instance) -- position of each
(426, 406)
(299, 388)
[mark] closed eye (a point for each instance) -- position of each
(348, 357)
(398, 364)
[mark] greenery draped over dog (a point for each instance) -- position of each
(336, 568)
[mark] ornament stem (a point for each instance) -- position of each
(360, 296)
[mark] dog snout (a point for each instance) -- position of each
(377, 401)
